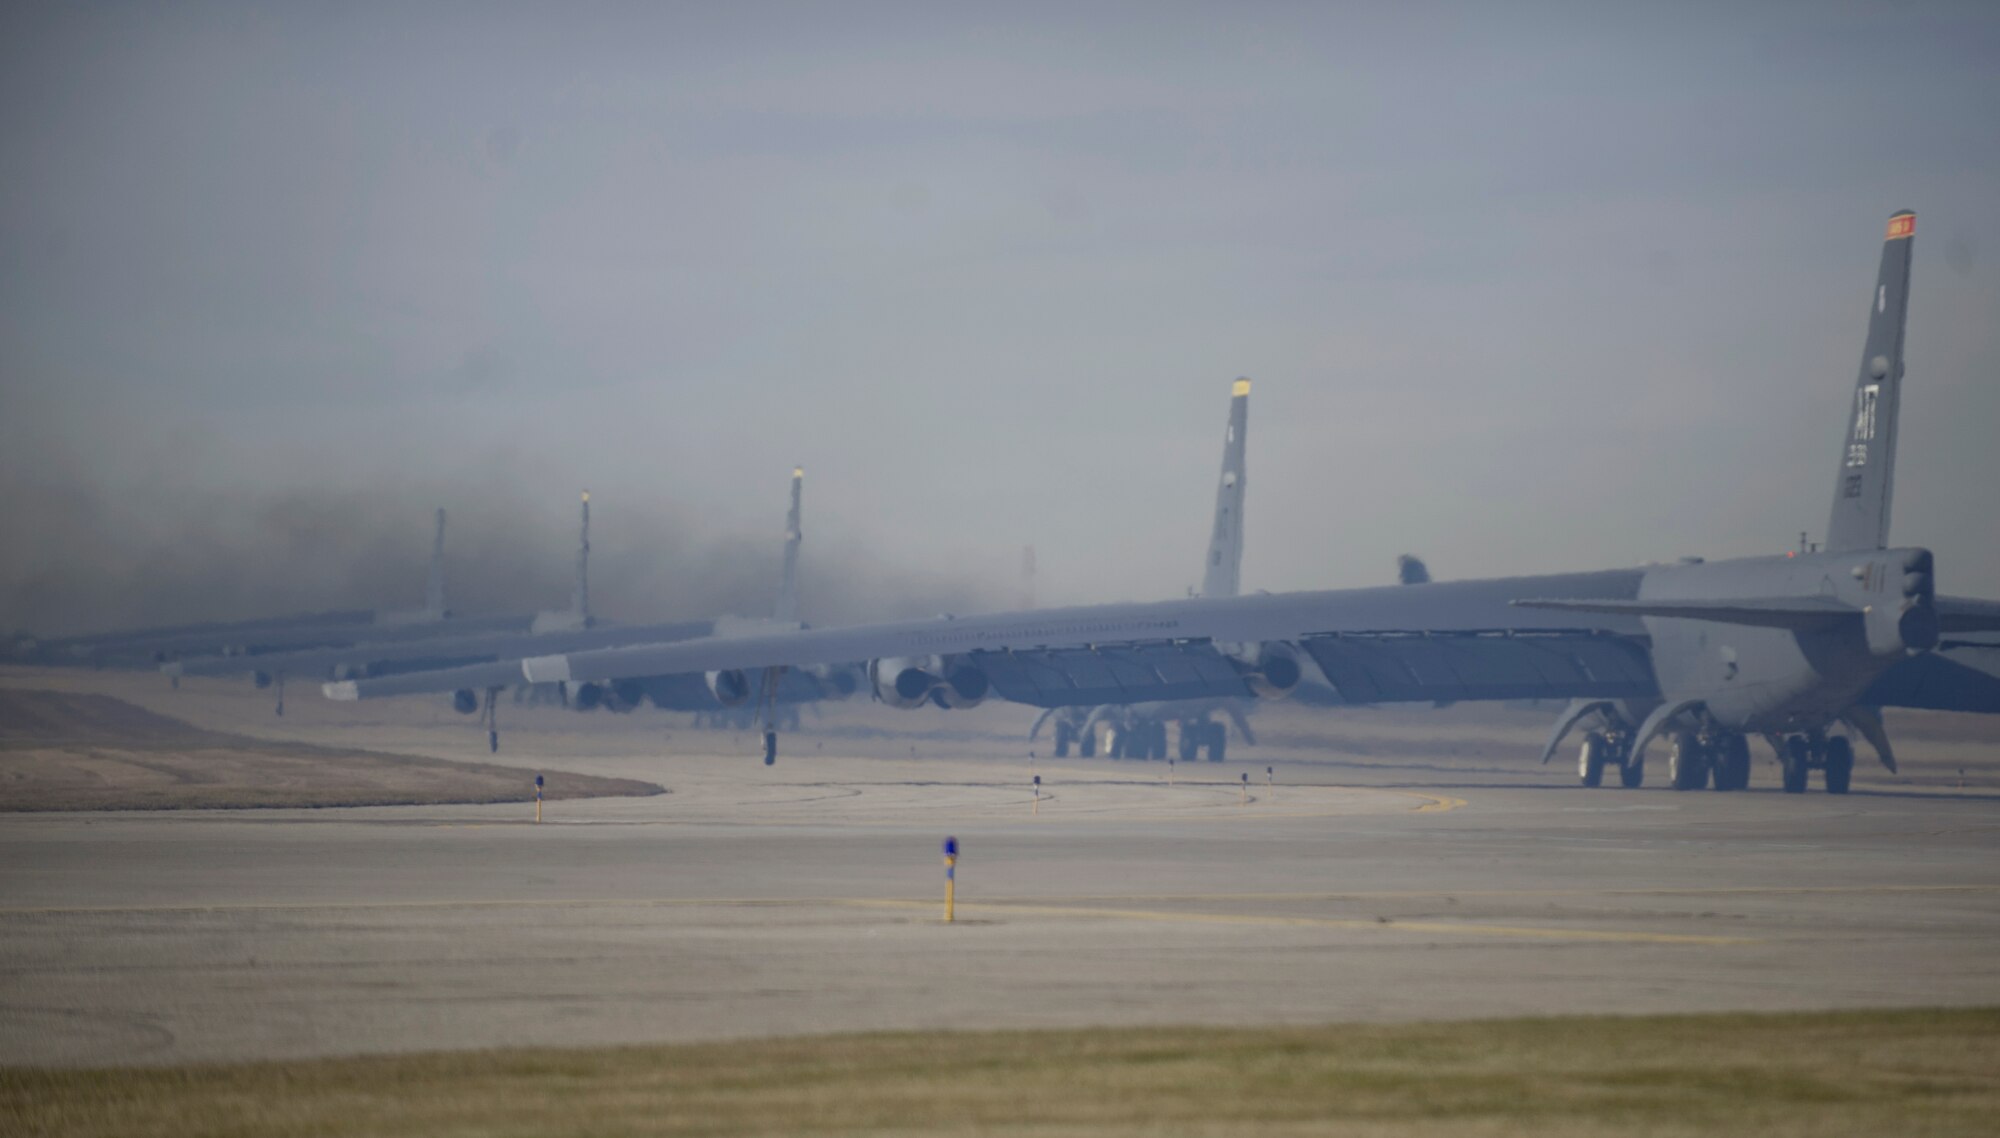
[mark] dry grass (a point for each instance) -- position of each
(74, 751)
(1831, 1074)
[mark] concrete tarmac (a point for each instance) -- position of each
(806, 898)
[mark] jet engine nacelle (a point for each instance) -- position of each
(911, 681)
(465, 701)
(1907, 621)
(905, 681)
(617, 695)
(1273, 671)
(730, 688)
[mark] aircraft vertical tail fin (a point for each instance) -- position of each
(1221, 576)
(787, 608)
(1862, 495)
(434, 584)
(579, 599)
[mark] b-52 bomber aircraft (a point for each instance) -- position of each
(1139, 730)
(252, 640)
(475, 686)
(420, 645)
(1708, 653)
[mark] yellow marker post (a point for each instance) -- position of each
(1038, 795)
(950, 877)
(1246, 788)
(538, 800)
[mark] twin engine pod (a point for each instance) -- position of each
(1273, 671)
(730, 688)
(911, 681)
(616, 695)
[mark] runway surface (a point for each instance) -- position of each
(806, 898)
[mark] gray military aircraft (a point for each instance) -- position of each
(245, 641)
(475, 686)
(1139, 730)
(1788, 647)
(417, 646)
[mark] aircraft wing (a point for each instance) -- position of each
(1960, 675)
(431, 681)
(1455, 640)
(405, 653)
(1800, 614)
(1964, 614)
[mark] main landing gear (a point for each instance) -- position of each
(1721, 761)
(1609, 748)
(1799, 755)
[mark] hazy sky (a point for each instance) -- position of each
(1521, 288)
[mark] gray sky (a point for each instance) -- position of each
(1522, 289)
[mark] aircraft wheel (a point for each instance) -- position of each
(1063, 734)
(1086, 743)
(1590, 759)
(1730, 762)
(1632, 772)
(1687, 767)
(1114, 743)
(770, 748)
(1160, 740)
(1796, 763)
(1191, 734)
(1839, 764)
(1218, 742)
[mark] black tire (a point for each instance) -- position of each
(1191, 736)
(1086, 743)
(1796, 763)
(1160, 740)
(1590, 759)
(1839, 764)
(1632, 772)
(1687, 766)
(1063, 736)
(1731, 761)
(1218, 742)
(770, 748)
(1114, 743)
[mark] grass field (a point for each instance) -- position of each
(1897, 1073)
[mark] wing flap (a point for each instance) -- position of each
(1800, 614)
(1401, 667)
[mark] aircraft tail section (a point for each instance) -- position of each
(787, 608)
(1861, 496)
(1221, 576)
(579, 599)
(434, 585)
